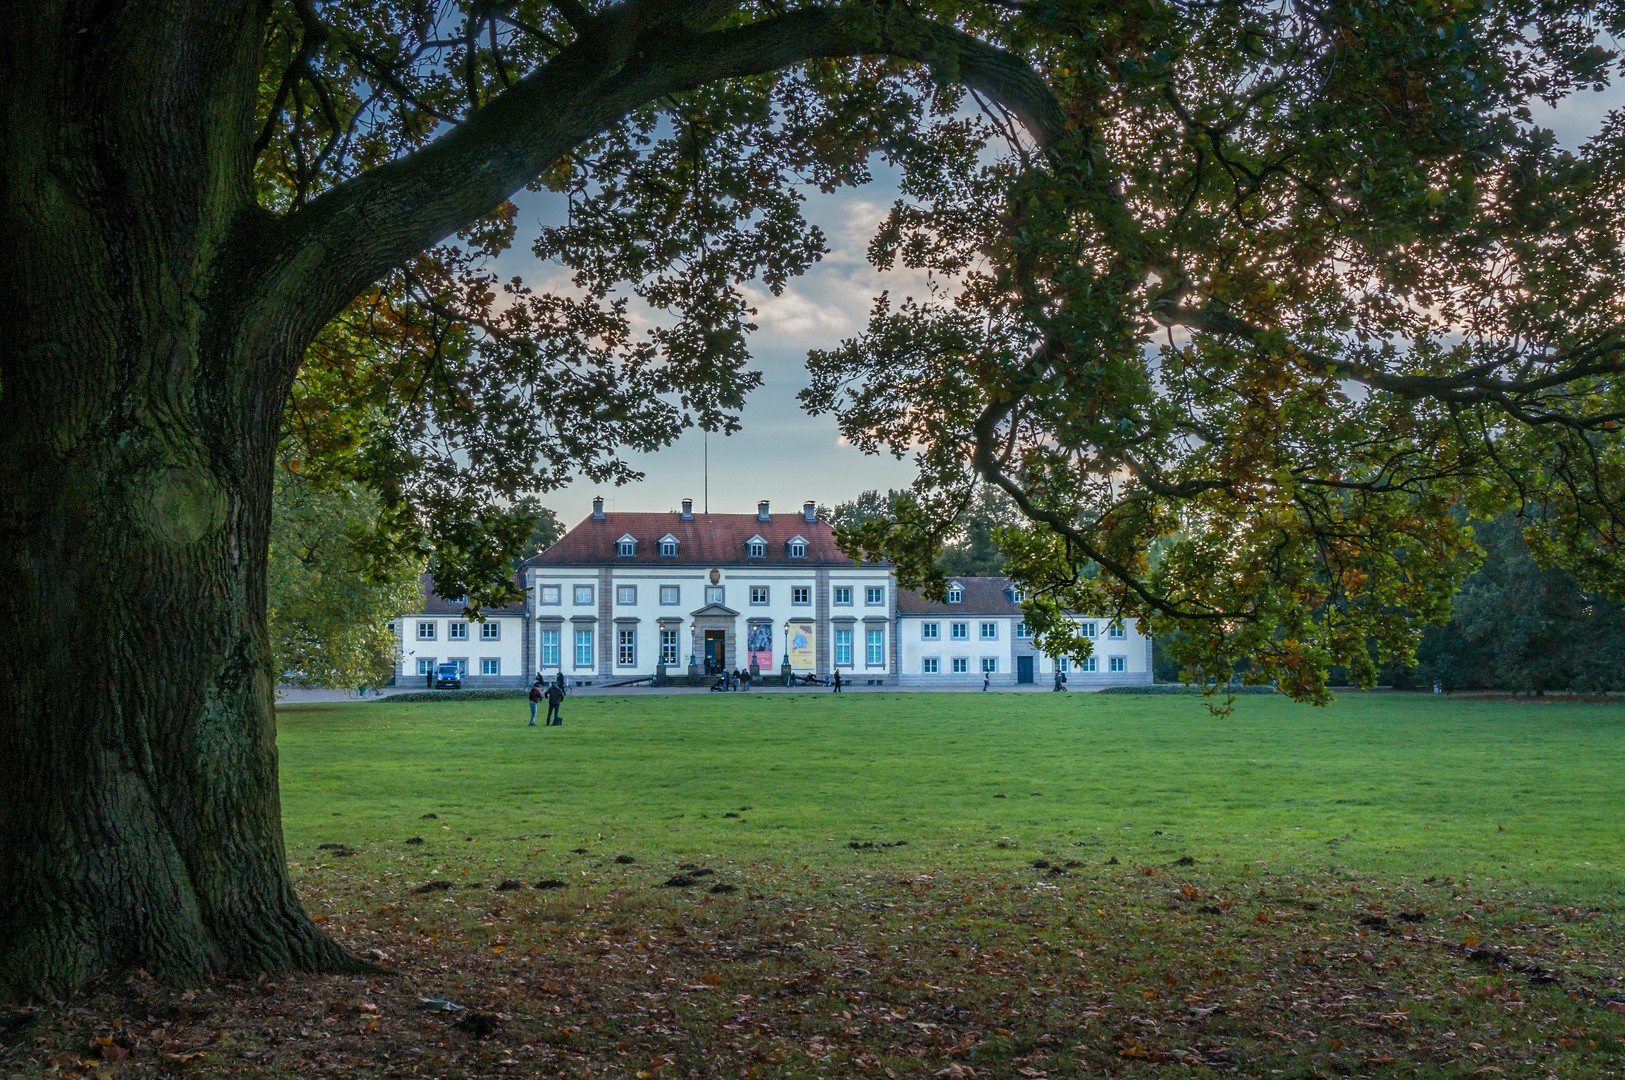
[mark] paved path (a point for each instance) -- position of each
(293, 695)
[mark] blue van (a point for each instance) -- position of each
(448, 677)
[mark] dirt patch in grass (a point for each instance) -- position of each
(890, 973)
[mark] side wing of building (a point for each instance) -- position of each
(978, 634)
(489, 653)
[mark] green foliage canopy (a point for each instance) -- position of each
(1265, 288)
(329, 606)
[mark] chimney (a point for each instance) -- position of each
(761, 511)
(809, 512)
(688, 510)
(598, 509)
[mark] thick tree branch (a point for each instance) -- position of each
(352, 235)
(1479, 385)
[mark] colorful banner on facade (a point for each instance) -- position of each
(759, 645)
(801, 646)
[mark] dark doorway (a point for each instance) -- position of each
(1024, 669)
(716, 642)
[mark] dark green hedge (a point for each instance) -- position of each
(506, 693)
(1183, 688)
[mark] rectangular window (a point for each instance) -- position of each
(583, 648)
(713, 594)
(668, 646)
(626, 548)
(583, 595)
(490, 667)
(1115, 630)
(929, 631)
(874, 596)
(801, 594)
(668, 548)
(462, 667)
(990, 665)
(425, 665)
(626, 595)
(1119, 663)
(1022, 631)
(928, 666)
(550, 648)
(758, 594)
(961, 665)
(490, 630)
(843, 594)
(990, 631)
(843, 648)
(1087, 664)
(627, 646)
(1087, 630)
(671, 595)
(959, 631)
(758, 550)
(548, 594)
(876, 656)
(457, 631)
(426, 631)
(1062, 665)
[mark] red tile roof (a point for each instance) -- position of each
(706, 540)
(982, 596)
(435, 604)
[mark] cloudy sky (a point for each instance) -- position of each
(781, 454)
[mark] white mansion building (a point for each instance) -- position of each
(625, 596)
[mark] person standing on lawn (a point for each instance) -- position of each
(535, 696)
(836, 685)
(555, 694)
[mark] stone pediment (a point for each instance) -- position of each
(717, 611)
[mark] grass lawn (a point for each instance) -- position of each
(1042, 886)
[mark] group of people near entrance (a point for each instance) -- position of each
(554, 693)
(732, 680)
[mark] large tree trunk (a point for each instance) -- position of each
(139, 814)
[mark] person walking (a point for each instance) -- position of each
(555, 694)
(836, 685)
(987, 680)
(535, 696)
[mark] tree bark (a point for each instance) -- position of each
(139, 812)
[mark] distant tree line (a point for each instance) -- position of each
(1514, 626)
(1517, 626)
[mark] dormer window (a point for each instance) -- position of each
(1016, 595)
(798, 547)
(626, 546)
(756, 547)
(956, 595)
(668, 546)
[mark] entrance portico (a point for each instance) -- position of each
(715, 637)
